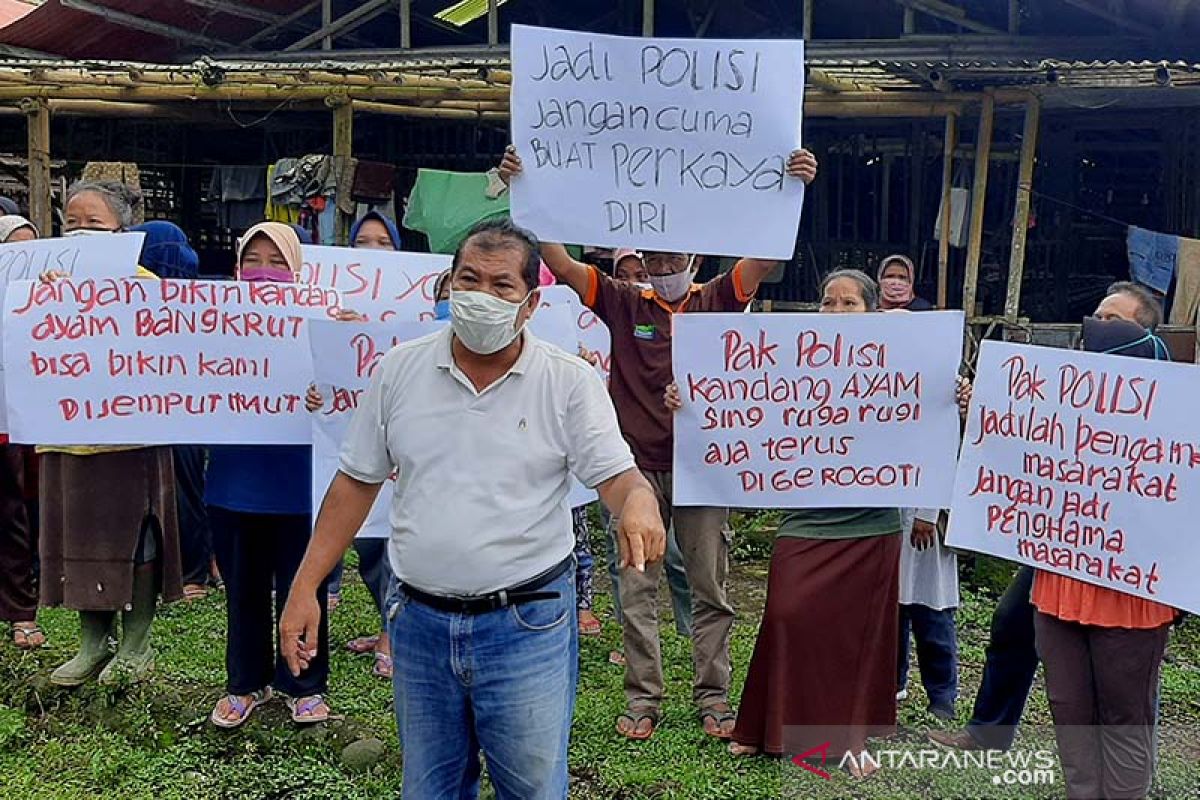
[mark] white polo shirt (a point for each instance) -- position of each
(480, 502)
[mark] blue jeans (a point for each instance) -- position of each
(677, 582)
(937, 653)
(1009, 668)
(501, 682)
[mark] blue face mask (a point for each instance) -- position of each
(441, 309)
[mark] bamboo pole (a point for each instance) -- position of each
(1016, 260)
(37, 115)
(949, 145)
(983, 146)
(807, 23)
(405, 24)
(343, 150)
(438, 112)
(493, 22)
(249, 92)
(647, 17)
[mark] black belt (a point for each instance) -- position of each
(481, 604)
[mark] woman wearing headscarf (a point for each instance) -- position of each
(18, 536)
(167, 253)
(897, 278)
(373, 231)
(1101, 649)
(109, 529)
(260, 507)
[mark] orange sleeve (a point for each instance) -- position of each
(593, 289)
(738, 290)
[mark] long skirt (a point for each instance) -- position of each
(824, 665)
(102, 515)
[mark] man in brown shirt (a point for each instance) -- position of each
(640, 322)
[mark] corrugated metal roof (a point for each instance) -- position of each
(56, 28)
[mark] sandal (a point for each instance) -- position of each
(241, 707)
(363, 644)
(742, 750)
(307, 710)
(383, 666)
(719, 714)
(194, 591)
(589, 624)
(332, 602)
(616, 658)
(28, 635)
(635, 717)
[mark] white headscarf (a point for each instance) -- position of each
(11, 223)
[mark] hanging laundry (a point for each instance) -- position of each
(446, 205)
(374, 182)
(1152, 257)
(1187, 283)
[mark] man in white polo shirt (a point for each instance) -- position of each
(483, 425)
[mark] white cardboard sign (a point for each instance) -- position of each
(109, 256)
(1086, 465)
(126, 361)
(816, 410)
(382, 285)
(675, 145)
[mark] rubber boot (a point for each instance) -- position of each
(135, 657)
(94, 630)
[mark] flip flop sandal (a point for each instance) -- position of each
(242, 708)
(194, 591)
(719, 717)
(742, 750)
(363, 644)
(28, 635)
(308, 710)
(592, 627)
(383, 666)
(636, 716)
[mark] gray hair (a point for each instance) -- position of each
(868, 288)
(1150, 310)
(120, 198)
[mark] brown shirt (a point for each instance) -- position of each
(640, 324)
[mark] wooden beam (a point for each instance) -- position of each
(343, 151)
(142, 24)
(493, 22)
(808, 20)
(37, 116)
(344, 24)
(1120, 20)
(1016, 259)
(950, 13)
(983, 147)
(647, 17)
(1014, 17)
(949, 145)
(910, 21)
(405, 24)
(286, 22)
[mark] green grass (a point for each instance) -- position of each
(153, 741)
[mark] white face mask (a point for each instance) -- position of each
(484, 323)
(85, 232)
(674, 286)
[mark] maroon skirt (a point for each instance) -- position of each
(824, 664)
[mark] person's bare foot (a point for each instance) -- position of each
(718, 720)
(742, 750)
(861, 767)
